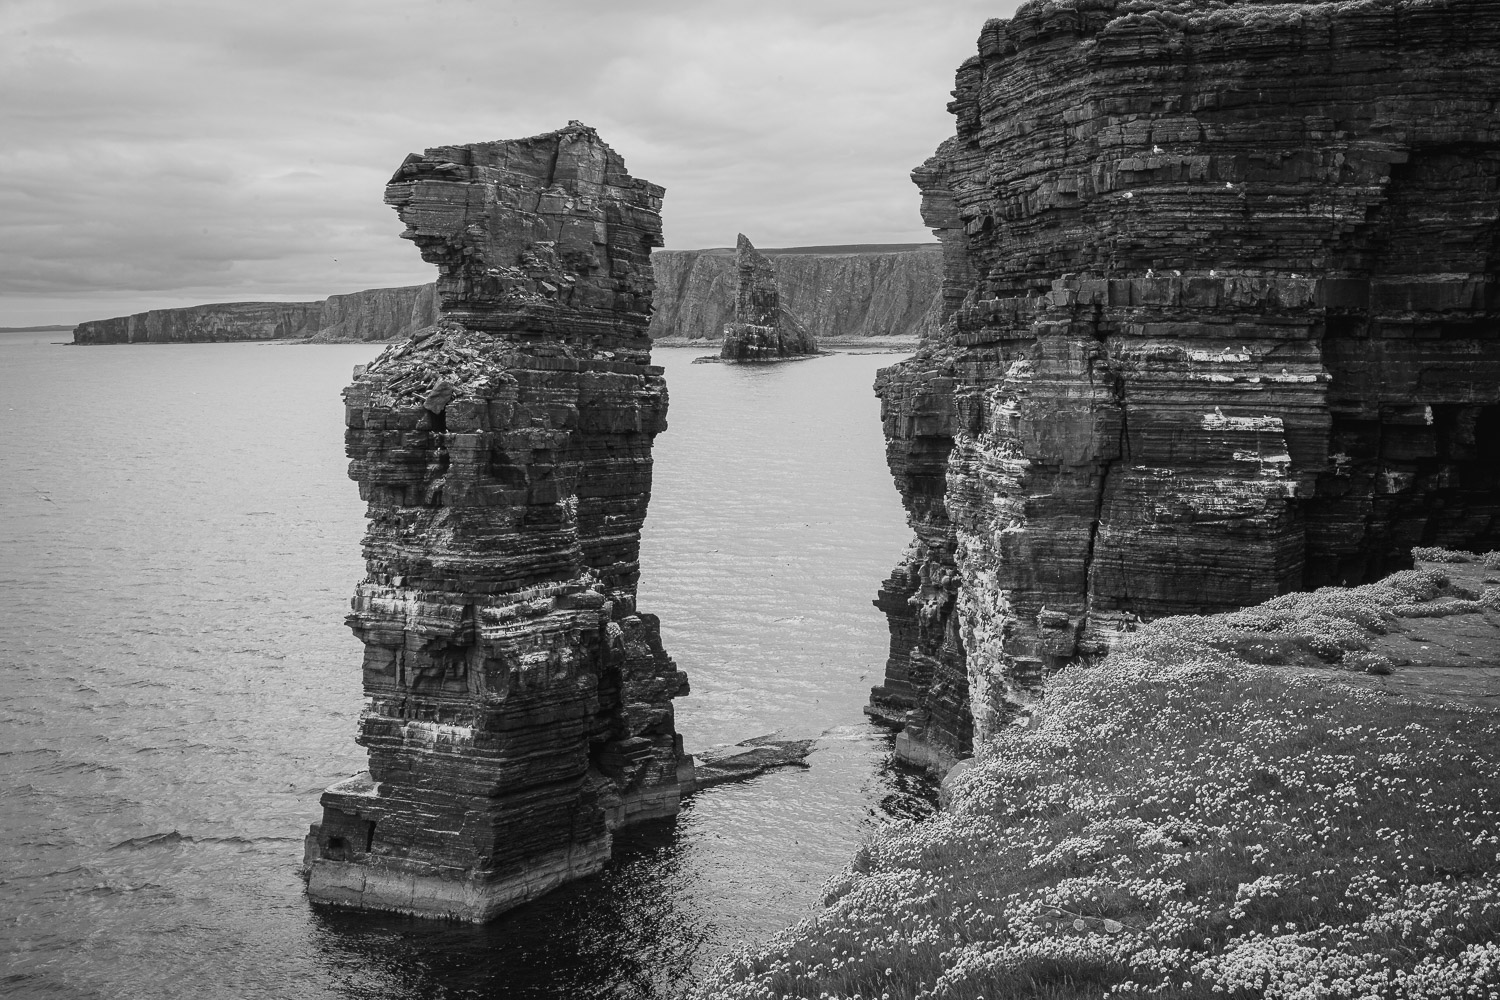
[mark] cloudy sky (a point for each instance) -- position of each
(168, 153)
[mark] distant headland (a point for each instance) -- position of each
(854, 292)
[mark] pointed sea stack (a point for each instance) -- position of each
(761, 329)
(519, 707)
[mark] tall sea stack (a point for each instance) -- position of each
(762, 329)
(519, 707)
(1222, 321)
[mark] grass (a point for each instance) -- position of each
(1178, 822)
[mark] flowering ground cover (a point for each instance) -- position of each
(1198, 815)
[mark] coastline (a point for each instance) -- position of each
(1267, 797)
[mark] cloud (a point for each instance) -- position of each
(163, 153)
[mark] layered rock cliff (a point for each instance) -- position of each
(219, 321)
(374, 314)
(837, 293)
(519, 705)
(1220, 301)
(378, 314)
(761, 328)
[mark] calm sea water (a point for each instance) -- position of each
(178, 542)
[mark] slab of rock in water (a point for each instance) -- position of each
(762, 329)
(519, 705)
(719, 765)
(1221, 322)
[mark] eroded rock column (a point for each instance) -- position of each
(762, 329)
(519, 706)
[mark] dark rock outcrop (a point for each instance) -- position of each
(840, 293)
(374, 314)
(761, 329)
(519, 705)
(1222, 321)
(748, 759)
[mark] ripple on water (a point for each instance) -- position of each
(181, 686)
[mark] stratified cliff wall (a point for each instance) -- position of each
(218, 321)
(1222, 304)
(837, 293)
(519, 706)
(371, 315)
(378, 313)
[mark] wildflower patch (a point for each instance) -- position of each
(1181, 821)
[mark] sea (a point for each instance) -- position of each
(178, 545)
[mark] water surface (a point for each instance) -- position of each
(178, 543)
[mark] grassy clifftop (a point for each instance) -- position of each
(1179, 821)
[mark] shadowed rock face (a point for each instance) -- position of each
(762, 330)
(519, 706)
(1221, 322)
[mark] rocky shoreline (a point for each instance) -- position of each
(1257, 803)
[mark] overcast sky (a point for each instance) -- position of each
(162, 154)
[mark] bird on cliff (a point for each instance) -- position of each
(1156, 149)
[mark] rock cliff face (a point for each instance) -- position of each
(373, 314)
(378, 314)
(519, 706)
(1220, 302)
(212, 322)
(761, 328)
(837, 293)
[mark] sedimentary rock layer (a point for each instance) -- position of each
(519, 705)
(373, 314)
(213, 322)
(761, 328)
(837, 293)
(1221, 321)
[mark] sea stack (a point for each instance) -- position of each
(1222, 321)
(519, 707)
(762, 329)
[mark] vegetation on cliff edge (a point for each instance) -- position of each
(1176, 821)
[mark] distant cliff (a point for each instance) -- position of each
(374, 314)
(837, 292)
